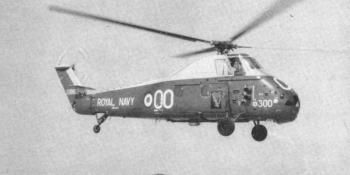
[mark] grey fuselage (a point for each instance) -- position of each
(198, 100)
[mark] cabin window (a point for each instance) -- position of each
(222, 68)
(216, 99)
(204, 90)
(248, 94)
(178, 91)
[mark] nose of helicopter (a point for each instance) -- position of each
(290, 102)
(293, 103)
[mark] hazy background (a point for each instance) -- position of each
(40, 134)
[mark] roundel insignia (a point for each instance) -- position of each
(148, 100)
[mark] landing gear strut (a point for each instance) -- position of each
(100, 120)
(226, 127)
(259, 132)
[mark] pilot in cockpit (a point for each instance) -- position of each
(235, 66)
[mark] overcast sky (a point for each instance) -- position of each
(40, 133)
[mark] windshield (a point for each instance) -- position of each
(253, 63)
(219, 66)
(243, 64)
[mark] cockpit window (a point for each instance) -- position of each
(223, 68)
(253, 63)
(248, 65)
(235, 66)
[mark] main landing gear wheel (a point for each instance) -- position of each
(226, 127)
(97, 129)
(100, 120)
(259, 132)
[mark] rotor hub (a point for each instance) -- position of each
(223, 47)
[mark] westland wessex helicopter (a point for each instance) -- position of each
(225, 89)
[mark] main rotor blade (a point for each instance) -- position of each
(278, 7)
(105, 19)
(243, 47)
(210, 49)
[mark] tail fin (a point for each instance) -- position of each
(71, 83)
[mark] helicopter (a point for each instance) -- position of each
(225, 89)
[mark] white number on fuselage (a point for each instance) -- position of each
(263, 103)
(160, 99)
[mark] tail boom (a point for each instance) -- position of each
(77, 93)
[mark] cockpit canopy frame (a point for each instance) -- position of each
(221, 66)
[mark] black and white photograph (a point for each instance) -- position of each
(164, 87)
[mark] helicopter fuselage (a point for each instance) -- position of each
(242, 98)
(226, 90)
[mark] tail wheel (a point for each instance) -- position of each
(100, 120)
(259, 132)
(226, 127)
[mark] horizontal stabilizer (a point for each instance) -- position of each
(63, 67)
